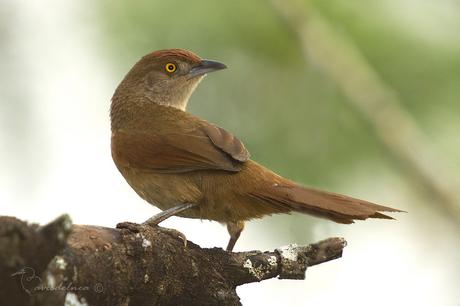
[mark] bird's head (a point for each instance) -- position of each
(167, 77)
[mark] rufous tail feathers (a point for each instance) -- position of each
(332, 206)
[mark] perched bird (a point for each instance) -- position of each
(191, 168)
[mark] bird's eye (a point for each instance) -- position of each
(170, 67)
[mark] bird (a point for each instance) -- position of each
(189, 167)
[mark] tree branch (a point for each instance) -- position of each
(141, 266)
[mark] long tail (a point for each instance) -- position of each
(332, 206)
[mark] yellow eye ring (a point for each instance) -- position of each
(170, 67)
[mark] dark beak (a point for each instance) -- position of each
(206, 66)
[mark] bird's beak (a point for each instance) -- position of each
(206, 66)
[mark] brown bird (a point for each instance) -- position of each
(191, 168)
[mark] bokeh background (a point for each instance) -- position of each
(359, 97)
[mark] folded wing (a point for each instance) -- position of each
(205, 148)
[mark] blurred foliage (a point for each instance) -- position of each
(425, 73)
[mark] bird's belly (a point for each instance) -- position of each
(164, 190)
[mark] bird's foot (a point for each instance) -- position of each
(131, 226)
(136, 228)
(175, 234)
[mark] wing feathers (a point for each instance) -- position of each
(227, 142)
(178, 152)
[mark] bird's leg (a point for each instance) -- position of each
(165, 214)
(160, 217)
(234, 229)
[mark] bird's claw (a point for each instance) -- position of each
(175, 234)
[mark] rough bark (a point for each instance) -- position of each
(142, 265)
